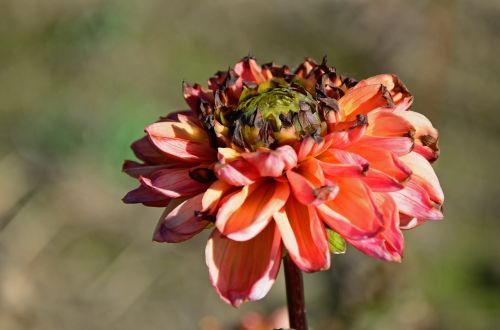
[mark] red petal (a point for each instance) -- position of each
(304, 236)
(244, 214)
(181, 223)
(241, 271)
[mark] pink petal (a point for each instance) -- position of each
(174, 183)
(181, 140)
(146, 151)
(181, 223)
(245, 214)
(304, 236)
(309, 190)
(378, 181)
(195, 95)
(272, 163)
(426, 136)
(237, 173)
(391, 82)
(424, 175)
(388, 243)
(353, 213)
(414, 201)
(241, 271)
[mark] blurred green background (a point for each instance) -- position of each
(80, 79)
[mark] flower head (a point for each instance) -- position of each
(288, 162)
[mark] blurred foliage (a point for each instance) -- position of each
(80, 79)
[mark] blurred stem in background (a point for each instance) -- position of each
(295, 295)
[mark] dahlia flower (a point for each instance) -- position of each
(278, 162)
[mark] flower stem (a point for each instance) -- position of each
(295, 295)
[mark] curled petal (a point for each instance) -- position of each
(384, 161)
(426, 136)
(174, 183)
(362, 100)
(246, 213)
(146, 151)
(195, 95)
(241, 271)
(388, 123)
(304, 236)
(414, 201)
(388, 243)
(237, 173)
(181, 223)
(378, 181)
(181, 140)
(424, 175)
(343, 139)
(272, 163)
(249, 70)
(353, 213)
(146, 196)
(338, 162)
(214, 194)
(391, 82)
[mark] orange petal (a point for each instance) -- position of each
(304, 236)
(388, 123)
(214, 194)
(362, 100)
(391, 82)
(388, 243)
(246, 213)
(353, 213)
(241, 271)
(249, 70)
(398, 145)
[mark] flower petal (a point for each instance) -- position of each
(135, 169)
(246, 213)
(353, 213)
(146, 151)
(272, 163)
(241, 271)
(183, 141)
(388, 123)
(414, 201)
(398, 145)
(181, 223)
(146, 196)
(424, 175)
(174, 182)
(426, 136)
(391, 82)
(362, 100)
(249, 70)
(214, 194)
(304, 236)
(388, 243)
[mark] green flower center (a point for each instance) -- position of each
(273, 116)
